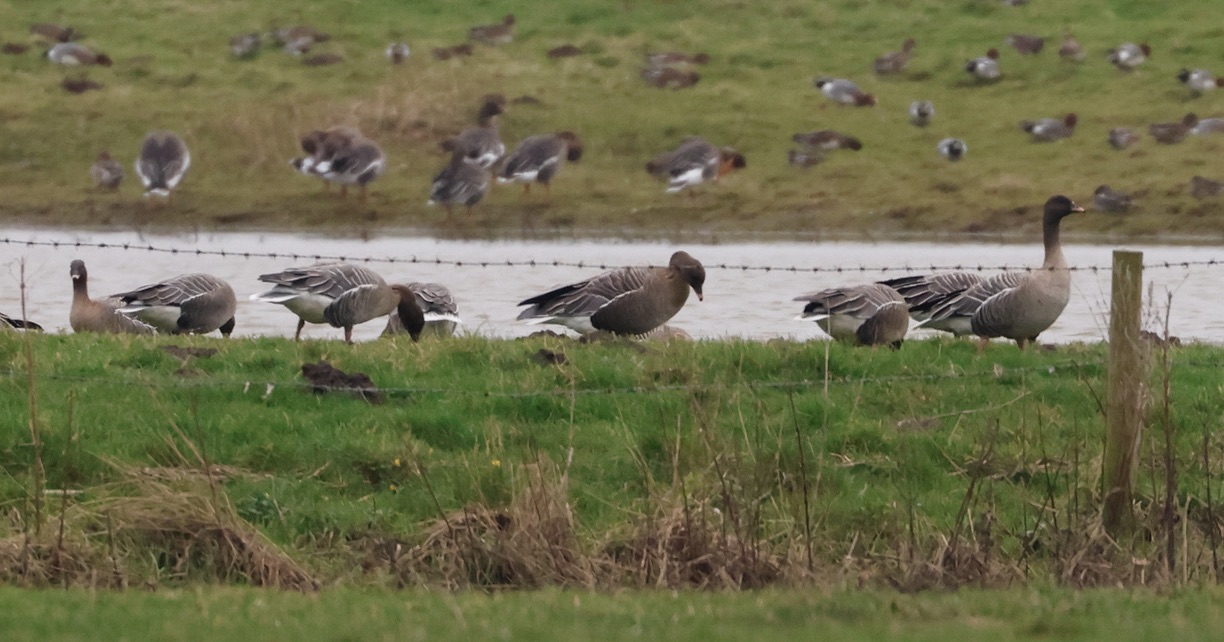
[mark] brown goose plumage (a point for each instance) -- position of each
(828, 140)
(495, 34)
(895, 62)
(1170, 133)
(185, 304)
(626, 301)
(868, 315)
(98, 315)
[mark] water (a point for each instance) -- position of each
(750, 304)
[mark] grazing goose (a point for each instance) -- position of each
(482, 143)
(20, 324)
(952, 149)
(864, 315)
(460, 182)
(1017, 305)
(827, 140)
(186, 304)
(398, 52)
(1071, 49)
(496, 34)
(1129, 55)
(924, 293)
(844, 92)
(1199, 80)
(1122, 137)
(441, 313)
(340, 294)
(162, 163)
(1025, 44)
(921, 112)
(986, 67)
(894, 62)
(54, 33)
(358, 164)
(1048, 130)
(98, 315)
(245, 46)
(537, 159)
(669, 77)
(106, 172)
(625, 301)
(694, 162)
(1208, 126)
(1201, 187)
(1107, 199)
(1171, 133)
(72, 54)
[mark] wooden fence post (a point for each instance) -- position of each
(1124, 410)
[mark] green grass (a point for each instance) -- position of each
(242, 119)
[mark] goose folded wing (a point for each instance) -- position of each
(585, 298)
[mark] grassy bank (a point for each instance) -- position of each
(241, 118)
(720, 464)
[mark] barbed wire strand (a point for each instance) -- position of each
(415, 260)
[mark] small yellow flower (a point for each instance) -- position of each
(396, 463)
(393, 488)
(496, 463)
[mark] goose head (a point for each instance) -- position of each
(690, 270)
(409, 311)
(1070, 120)
(1059, 207)
(573, 145)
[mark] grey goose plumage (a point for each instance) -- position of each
(106, 172)
(895, 62)
(18, 324)
(868, 315)
(537, 159)
(186, 304)
(459, 183)
(924, 293)
(1172, 133)
(626, 301)
(495, 34)
(952, 149)
(985, 68)
(1122, 137)
(1048, 130)
(921, 112)
(1129, 55)
(1107, 199)
(72, 54)
(438, 306)
(163, 161)
(98, 315)
(694, 162)
(482, 144)
(358, 163)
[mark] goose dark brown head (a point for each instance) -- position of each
(409, 311)
(1058, 207)
(573, 145)
(692, 271)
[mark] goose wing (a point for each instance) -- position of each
(324, 279)
(435, 299)
(968, 302)
(360, 304)
(859, 302)
(585, 298)
(534, 154)
(925, 292)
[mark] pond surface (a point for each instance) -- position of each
(753, 304)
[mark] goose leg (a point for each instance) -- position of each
(297, 336)
(982, 343)
(343, 190)
(348, 334)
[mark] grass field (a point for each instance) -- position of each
(242, 118)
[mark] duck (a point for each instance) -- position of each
(827, 140)
(245, 46)
(397, 52)
(358, 163)
(98, 315)
(19, 324)
(1048, 130)
(1071, 50)
(460, 182)
(923, 293)
(986, 67)
(1171, 133)
(669, 77)
(537, 159)
(72, 54)
(1017, 305)
(921, 112)
(106, 172)
(483, 144)
(163, 161)
(952, 149)
(54, 32)
(298, 39)
(496, 34)
(1208, 126)
(894, 62)
(1107, 199)
(1199, 81)
(1129, 55)
(863, 315)
(844, 92)
(441, 313)
(1202, 187)
(1122, 137)
(341, 295)
(694, 162)
(629, 301)
(186, 304)
(1025, 44)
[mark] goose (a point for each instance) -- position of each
(54, 33)
(1122, 137)
(71, 54)
(894, 62)
(483, 144)
(163, 161)
(669, 77)
(986, 67)
(460, 182)
(299, 39)
(185, 304)
(342, 295)
(1025, 44)
(446, 53)
(1071, 50)
(1129, 55)
(398, 52)
(827, 140)
(1208, 126)
(669, 58)
(626, 301)
(496, 34)
(1199, 80)
(694, 162)
(358, 163)
(1201, 187)
(1048, 130)
(952, 149)
(321, 147)
(20, 324)
(1016, 305)
(1107, 199)
(924, 293)
(1171, 133)
(804, 159)
(921, 112)
(106, 172)
(537, 159)
(98, 315)
(844, 92)
(441, 313)
(865, 315)
(245, 46)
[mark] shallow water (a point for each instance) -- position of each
(751, 304)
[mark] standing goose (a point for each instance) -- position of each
(895, 62)
(340, 294)
(441, 313)
(358, 164)
(1048, 130)
(1018, 305)
(20, 324)
(1171, 133)
(924, 293)
(986, 67)
(106, 172)
(694, 162)
(101, 315)
(71, 54)
(538, 158)
(460, 182)
(321, 147)
(921, 112)
(1129, 55)
(625, 301)
(865, 315)
(186, 304)
(483, 144)
(162, 163)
